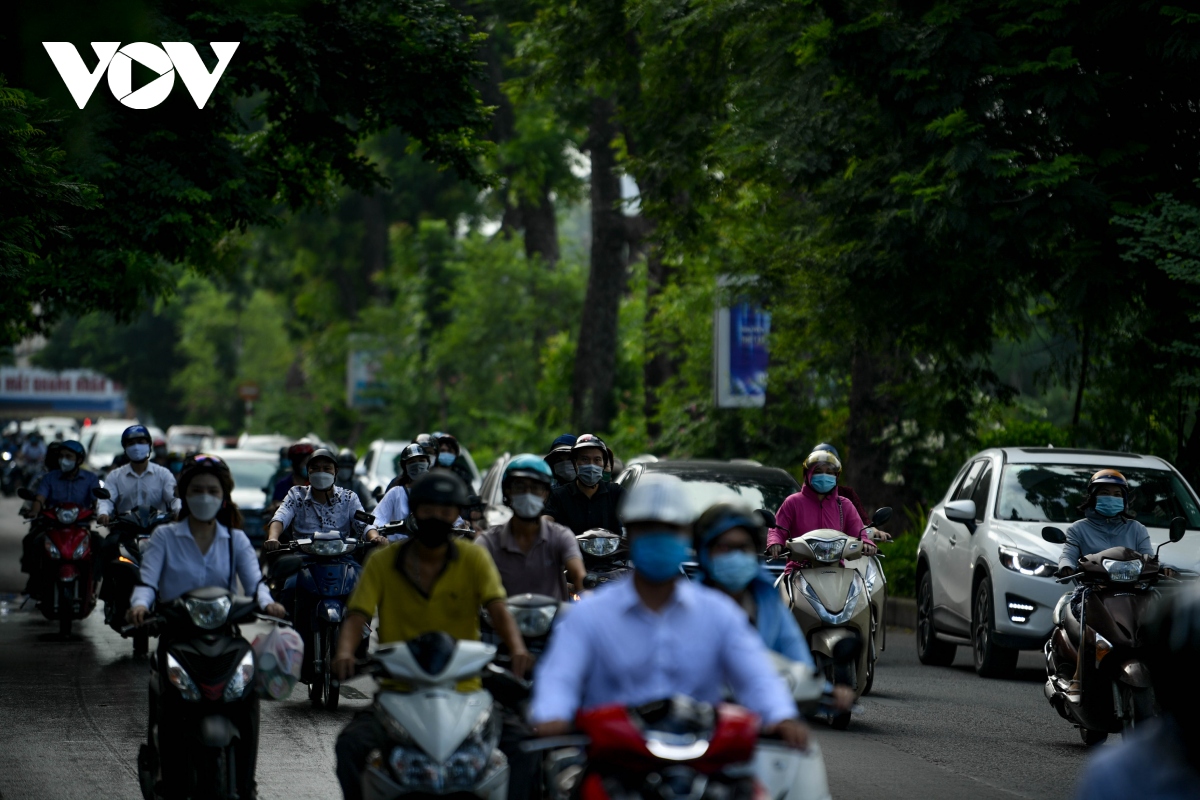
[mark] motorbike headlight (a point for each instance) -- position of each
(51, 550)
(599, 545)
(241, 678)
(80, 549)
(533, 621)
(325, 547)
(7, 456)
(1123, 571)
(67, 515)
(208, 614)
(179, 678)
(826, 549)
(1026, 563)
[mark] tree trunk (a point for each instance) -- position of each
(867, 460)
(541, 228)
(596, 353)
(1083, 372)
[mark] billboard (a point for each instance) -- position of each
(740, 356)
(73, 391)
(364, 378)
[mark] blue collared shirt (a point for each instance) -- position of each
(609, 648)
(59, 489)
(172, 565)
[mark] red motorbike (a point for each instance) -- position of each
(667, 750)
(67, 588)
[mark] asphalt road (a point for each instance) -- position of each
(72, 714)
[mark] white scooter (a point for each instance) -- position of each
(787, 773)
(441, 741)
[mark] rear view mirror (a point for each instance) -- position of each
(1178, 528)
(882, 515)
(1053, 535)
(25, 494)
(961, 510)
(101, 493)
(768, 517)
(377, 493)
(364, 517)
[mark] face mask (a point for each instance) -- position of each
(433, 532)
(446, 459)
(657, 557)
(1109, 506)
(823, 483)
(320, 480)
(734, 570)
(138, 452)
(344, 475)
(416, 469)
(66, 464)
(527, 506)
(590, 474)
(565, 471)
(204, 506)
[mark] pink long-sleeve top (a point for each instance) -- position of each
(807, 511)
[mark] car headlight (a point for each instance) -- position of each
(67, 515)
(325, 547)
(80, 549)
(51, 550)
(599, 545)
(179, 678)
(853, 596)
(1026, 563)
(208, 614)
(241, 678)
(826, 549)
(1123, 571)
(533, 621)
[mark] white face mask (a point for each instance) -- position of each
(527, 506)
(320, 480)
(138, 452)
(204, 507)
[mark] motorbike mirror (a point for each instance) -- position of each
(25, 494)
(768, 517)
(1178, 528)
(377, 493)
(881, 516)
(101, 493)
(286, 566)
(364, 517)
(1053, 535)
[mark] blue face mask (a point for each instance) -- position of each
(657, 557)
(733, 570)
(1109, 506)
(823, 482)
(446, 459)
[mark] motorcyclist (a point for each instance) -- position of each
(1107, 522)
(175, 462)
(138, 483)
(32, 451)
(66, 484)
(298, 455)
(559, 459)
(473, 514)
(844, 490)
(449, 456)
(160, 451)
(530, 550)
(427, 444)
(587, 502)
(817, 505)
(431, 582)
(414, 462)
(346, 479)
(318, 507)
(658, 634)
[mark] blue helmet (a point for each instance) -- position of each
(527, 465)
(74, 446)
(567, 439)
(135, 430)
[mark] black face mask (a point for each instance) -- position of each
(432, 532)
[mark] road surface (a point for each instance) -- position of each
(74, 712)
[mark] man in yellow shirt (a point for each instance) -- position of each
(420, 585)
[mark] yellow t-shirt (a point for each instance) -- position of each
(468, 582)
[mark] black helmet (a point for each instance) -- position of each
(346, 458)
(412, 451)
(589, 440)
(325, 453)
(440, 438)
(438, 488)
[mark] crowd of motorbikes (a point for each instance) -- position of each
(204, 691)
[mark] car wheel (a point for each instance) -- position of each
(930, 649)
(991, 659)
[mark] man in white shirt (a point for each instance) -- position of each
(138, 483)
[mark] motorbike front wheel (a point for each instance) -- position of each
(333, 689)
(64, 610)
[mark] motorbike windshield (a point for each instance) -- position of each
(1053, 493)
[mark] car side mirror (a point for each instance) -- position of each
(1178, 528)
(1053, 535)
(961, 510)
(768, 517)
(377, 493)
(101, 493)
(882, 515)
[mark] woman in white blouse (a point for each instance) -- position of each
(197, 551)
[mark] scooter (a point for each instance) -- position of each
(605, 556)
(832, 603)
(122, 572)
(67, 589)
(1096, 676)
(442, 741)
(534, 614)
(202, 739)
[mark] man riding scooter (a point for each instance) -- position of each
(67, 484)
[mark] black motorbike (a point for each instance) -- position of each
(605, 556)
(128, 535)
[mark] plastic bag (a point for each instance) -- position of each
(279, 654)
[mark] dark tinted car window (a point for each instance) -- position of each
(983, 488)
(968, 483)
(1053, 492)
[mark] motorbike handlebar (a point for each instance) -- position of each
(149, 623)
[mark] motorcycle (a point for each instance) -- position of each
(202, 738)
(839, 606)
(10, 473)
(534, 614)
(1096, 676)
(442, 741)
(605, 556)
(122, 572)
(67, 585)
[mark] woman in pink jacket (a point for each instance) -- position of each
(817, 505)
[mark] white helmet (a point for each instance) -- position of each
(657, 498)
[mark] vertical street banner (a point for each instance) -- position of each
(740, 355)
(364, 374)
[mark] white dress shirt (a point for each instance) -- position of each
(306, 515)
(172, 565)
(155, 487)
(610, 648)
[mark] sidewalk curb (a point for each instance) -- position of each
(901, 612)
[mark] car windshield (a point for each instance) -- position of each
(107, 443)
(1053, 493)
(385, 468)
(188, 441)
(706, 487)
(251, 473)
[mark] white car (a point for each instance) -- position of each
(984, 573)
(377, 470)
(103, 441)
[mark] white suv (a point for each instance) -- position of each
(984, 573)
